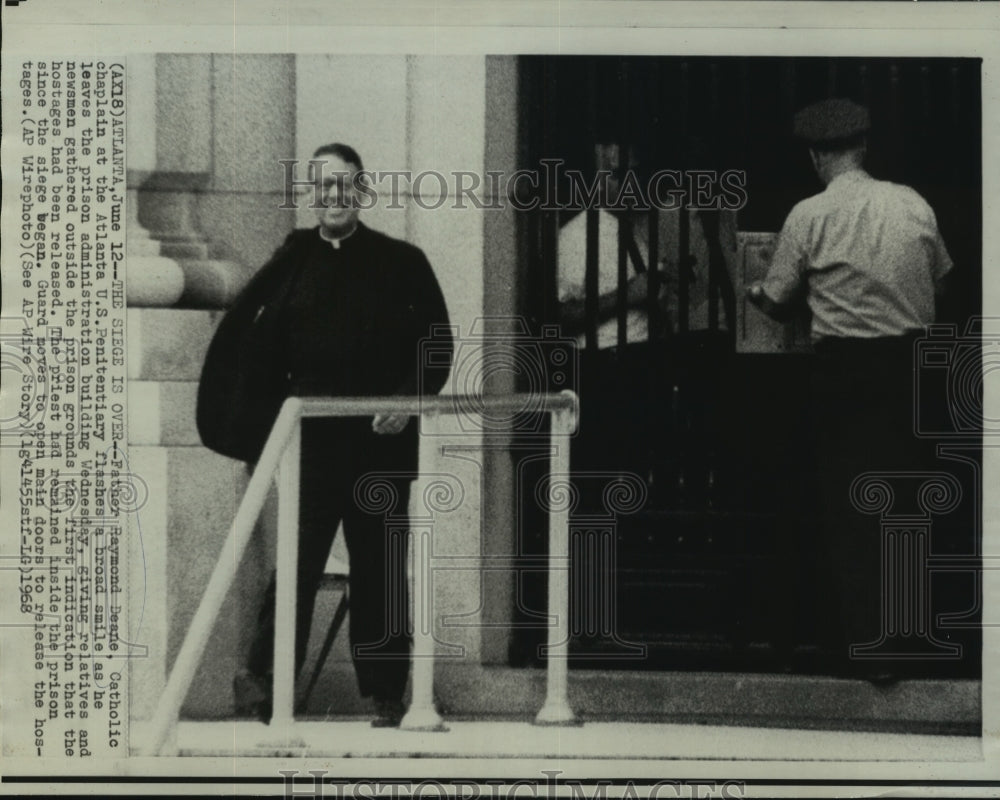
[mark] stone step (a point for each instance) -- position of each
(474, 691)
(645, 747)
(162, 413)
(168, 344)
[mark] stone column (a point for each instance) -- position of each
(152, 279)
(190, 233)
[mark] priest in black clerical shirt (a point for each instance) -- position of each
(339, 310)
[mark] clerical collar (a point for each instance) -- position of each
(335, 242)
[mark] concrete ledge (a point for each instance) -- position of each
(499, 739)
(467, 691)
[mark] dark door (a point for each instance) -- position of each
(716, 570)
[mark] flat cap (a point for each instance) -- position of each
(831, 120)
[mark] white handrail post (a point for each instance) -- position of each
(286, 580)
(422, 714)
(556, 709)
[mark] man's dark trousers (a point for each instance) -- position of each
(862, 396)
(336, 454)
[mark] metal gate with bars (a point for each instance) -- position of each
(719, 436)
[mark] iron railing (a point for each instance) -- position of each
(281, 454)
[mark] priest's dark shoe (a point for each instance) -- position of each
(388, 712)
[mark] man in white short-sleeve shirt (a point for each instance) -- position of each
(866, 256)
(867, 253)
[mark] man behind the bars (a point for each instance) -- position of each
(340, 310)
(868, 259)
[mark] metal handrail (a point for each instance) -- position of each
(282, 449)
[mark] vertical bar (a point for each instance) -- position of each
(684, 231)
(549, 232)
(925, 95)
(591, 581)
(654, 330)
(680, 441)
(556, 710)
(592, 279)
(624, 234)
(593, 99)
(287, 574)
(528, 152)
(654, 138)
(548, 221)
(714, 89)
(712, 222)
(710, 229)
(578, 582)
(957, 154)
(895, 110)
(789, 81)
(928, 141)
(684, 107)
(683, 268)
(713, 277)
(745, 117)
(653, 321)
(422, 714)
(591, 275)
(954, 92)
(624, 138)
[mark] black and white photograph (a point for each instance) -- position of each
(581, 404)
